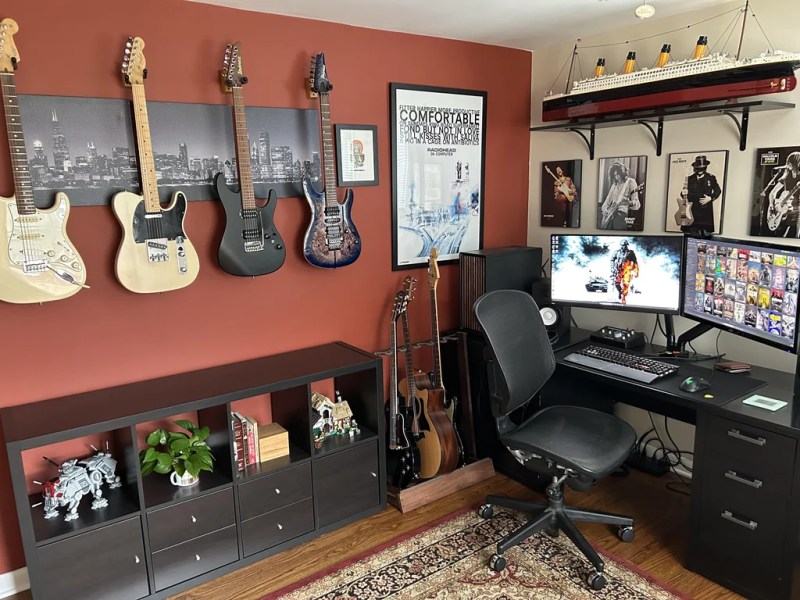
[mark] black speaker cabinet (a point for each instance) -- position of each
(482, 271)
(556, 317)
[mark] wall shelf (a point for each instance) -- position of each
(739, 112)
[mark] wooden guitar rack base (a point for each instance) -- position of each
(428, 491)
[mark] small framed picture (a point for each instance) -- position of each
(696, 191)
(621, 194)
(357, 155)
(776, 193)
(561, 193)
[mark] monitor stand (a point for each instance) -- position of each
(677, 348)
(617, 336)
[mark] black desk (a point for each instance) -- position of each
(745, 513)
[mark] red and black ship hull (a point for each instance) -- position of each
(752, 80)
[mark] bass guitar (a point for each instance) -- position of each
(250, 244)
(438, 448)
(38, 262)
(684, 216)
(331, 239)
(401, 452)
(780, 208)
(155, 255)
(563, 188)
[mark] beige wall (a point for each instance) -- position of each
(778, 128)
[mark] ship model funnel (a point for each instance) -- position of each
(600, 69)
(700, 48)
(630, 63)
(663, 57)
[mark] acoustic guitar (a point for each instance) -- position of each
(331, 239)
(38, 262)
(155, 255)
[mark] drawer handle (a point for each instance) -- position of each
(756, 483)
(758, 441)
(194, 520)
(728, 515)
(197, 557)
(136, 560)
(280, 526)
(277, 491)
(373, 474)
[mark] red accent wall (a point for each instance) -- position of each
(106, 335)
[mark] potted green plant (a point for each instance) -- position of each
(180, 455)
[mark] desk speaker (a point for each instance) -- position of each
(556, 318)
(483, 271)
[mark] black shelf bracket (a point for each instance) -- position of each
(658, 137)
(741, 126)
(589, 141)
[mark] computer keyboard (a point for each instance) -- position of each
(624, 364)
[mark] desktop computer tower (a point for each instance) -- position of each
(482, 271)
(557, 318)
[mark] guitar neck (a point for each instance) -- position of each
(412, 387)
(16, 142)
(393, 388)
(147, 169)
(243, 150)
(327, 151)
(437, 349)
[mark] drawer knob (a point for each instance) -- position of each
(197, 557)
(373, 474)
(733, 475)
(736, 434)
(280, 526)
(194, 520)
(277, 491)
(728, 516)
(136, 560)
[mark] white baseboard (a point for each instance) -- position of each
(650, 449)
(14, 582)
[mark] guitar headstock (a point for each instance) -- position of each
(318, 82)
(9, 57)
(433, 269)
(231, 72)
(134, 69)
(400, 304)
(410, 286)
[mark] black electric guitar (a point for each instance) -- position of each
(250, 244)
(331, 239)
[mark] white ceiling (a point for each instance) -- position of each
(515, 23)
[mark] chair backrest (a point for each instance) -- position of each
(519, 345)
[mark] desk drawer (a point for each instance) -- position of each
(751, 447)
(195, 557)
(346, 483)
(272, 492)
(760, 493)
(190, 519)
(277, 526)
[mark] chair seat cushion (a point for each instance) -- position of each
(591, 442)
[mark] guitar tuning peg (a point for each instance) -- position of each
(129, 43)
(127, 51)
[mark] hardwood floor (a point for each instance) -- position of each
(661, 534)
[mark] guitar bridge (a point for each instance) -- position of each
(157, 250)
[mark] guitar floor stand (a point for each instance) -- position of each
(430, 490)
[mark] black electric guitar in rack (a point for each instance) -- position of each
(331, 239)
(250, 244)
(38, 263)
(155, 255)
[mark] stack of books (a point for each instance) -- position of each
(254, 444)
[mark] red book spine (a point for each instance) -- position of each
(238, 443)
(251, 444)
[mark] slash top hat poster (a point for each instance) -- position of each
(776, 193)
(561, 193)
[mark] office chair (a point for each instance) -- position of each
(575, 445)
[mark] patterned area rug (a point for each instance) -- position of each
(448, 560)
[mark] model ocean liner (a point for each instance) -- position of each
(702, 78)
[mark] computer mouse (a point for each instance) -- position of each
(694, 384)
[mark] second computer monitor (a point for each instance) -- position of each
(626, 272)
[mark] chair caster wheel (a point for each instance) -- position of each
(486, 511)
(626, 534)
(596, 581)
(497, 562)
(552, 532)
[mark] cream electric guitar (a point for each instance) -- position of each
(155, 255)
(37, 260)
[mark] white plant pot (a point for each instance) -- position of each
(185, 481)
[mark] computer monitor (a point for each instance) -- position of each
(624, 272)
(746, 287)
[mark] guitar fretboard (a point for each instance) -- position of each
(327, 151)
(16, 142)
(437, 349)
(147, 169)
(393, 387)
(243, 150)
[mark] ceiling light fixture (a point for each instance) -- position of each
(645, 11)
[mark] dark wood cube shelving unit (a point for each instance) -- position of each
(154, 539)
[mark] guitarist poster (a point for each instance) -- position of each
(776, 193)
(621, 193)
(696, 191)
(561, 193)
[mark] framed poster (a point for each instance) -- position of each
(561, 193)
(357, 155)
(696, 191)
(621, 195)
(438, 153)
(776, 191)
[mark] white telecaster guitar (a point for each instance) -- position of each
(37, 260)
(155, 255)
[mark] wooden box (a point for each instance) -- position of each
(273, 441)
